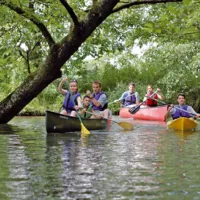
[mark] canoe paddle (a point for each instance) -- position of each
(125, 125)
(84, 130)
(136, 108)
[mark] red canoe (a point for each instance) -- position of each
(145, 113)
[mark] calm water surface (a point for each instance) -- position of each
(149, 162)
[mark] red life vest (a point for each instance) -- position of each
(150, 101)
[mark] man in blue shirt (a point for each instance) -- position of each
(129, 97)
(99, 100)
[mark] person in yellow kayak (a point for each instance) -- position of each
(151, 96)
(180, 110)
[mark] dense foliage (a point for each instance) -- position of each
(146, 44)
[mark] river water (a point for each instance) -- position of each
(149, 162)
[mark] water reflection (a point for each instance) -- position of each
(14, 164)
(184, 134)
(8, 129)
(108, 166)
(77, 168)
(149, 162)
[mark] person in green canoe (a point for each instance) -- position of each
(86, 111)
(72, 99)
(99, 101)
(180, 110)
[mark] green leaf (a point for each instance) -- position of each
(149, 25)
(163, 17)
(148, 30)
(158, 30)
(172, 9)
(187, 2)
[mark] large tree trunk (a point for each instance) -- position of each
(58, 55)
(30, 88)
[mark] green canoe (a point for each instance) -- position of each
(58, 123)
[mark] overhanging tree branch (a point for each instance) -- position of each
(30, 16)
(128, 5)
(70, 11)
(49, 69)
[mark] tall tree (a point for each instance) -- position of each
(83, 23)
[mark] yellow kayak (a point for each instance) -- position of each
(182, 123)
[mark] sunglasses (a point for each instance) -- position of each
(74, 80)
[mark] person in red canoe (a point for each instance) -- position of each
(151, 96)
(129, 97)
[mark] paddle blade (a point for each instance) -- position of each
(134, 109)
(126, 126)
(84, 130)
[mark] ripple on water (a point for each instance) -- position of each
(146, 163)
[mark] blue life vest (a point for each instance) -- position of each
(130, 100)
(180, 113)
(69, 101)
(97, 96)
